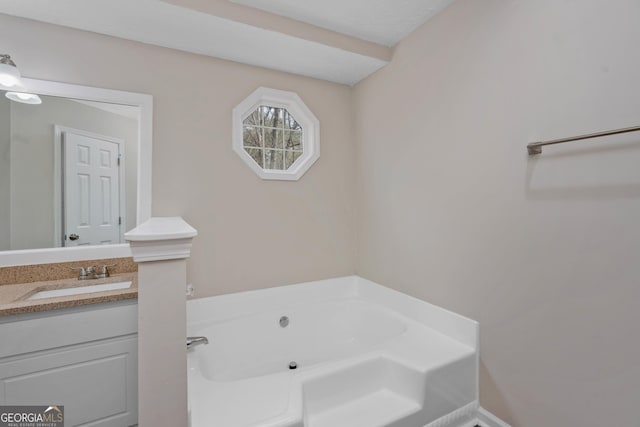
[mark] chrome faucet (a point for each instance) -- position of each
(194, 341)
(91, 272)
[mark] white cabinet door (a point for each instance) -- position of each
(95, 382)
(84, 358)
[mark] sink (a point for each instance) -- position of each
(79, 290)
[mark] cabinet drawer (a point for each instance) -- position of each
(58, 328)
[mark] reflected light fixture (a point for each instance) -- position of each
(9, 73)
(25, 98)
(10, 77)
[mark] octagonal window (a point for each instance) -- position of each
(276, 134)
(272, 137)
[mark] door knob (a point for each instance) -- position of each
(73, 236)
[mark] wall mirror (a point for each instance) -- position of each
(75, 172)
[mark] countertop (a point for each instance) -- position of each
(13, 298)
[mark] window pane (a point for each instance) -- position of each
(252, 136)
(290, 157)
(273, 138)
(256, 155)
(253, 119)
(272, 116)
(264, 112)
(290, 122)
(293, 140)
(273, 159)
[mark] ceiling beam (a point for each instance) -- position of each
(269, 21)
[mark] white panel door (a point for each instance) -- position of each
(91, 190)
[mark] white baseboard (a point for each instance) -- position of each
(487, 419)
(457, 418)
(470, 415)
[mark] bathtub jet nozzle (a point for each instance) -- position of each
(293, 365)
(284, 321)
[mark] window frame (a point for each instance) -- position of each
(300, 112)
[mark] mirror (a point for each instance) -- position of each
(67, 172)
(75, 169)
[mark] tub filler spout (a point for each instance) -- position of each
(194, 341)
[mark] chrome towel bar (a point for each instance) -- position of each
(536, 147)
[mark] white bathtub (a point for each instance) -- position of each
(366, 356)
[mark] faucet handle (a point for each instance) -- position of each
(104, 271)
(85, 273)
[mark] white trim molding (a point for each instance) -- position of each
(487, 419)
(470, 415)
(68, 254)
(161, 250)
(291, 102)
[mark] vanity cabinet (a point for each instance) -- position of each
(84, 358)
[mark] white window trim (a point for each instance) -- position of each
(302, 114)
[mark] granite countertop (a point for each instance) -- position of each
(13, 298)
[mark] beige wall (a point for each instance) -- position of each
(543, 252)
(252, 233)
(32, 163)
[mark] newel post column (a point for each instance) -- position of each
(161, 247)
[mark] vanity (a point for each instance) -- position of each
(71, 342)
(66, 341)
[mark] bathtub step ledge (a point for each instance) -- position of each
(379, 409)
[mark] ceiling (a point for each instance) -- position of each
(380, 21)
(341, 41)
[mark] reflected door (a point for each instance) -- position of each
(91, 190)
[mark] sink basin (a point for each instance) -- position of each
(79, 290)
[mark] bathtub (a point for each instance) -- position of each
(343, 352)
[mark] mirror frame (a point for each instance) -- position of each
(143, 207)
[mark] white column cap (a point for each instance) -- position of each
(161, 238)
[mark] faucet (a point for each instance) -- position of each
(91, 272)
(194, 341)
